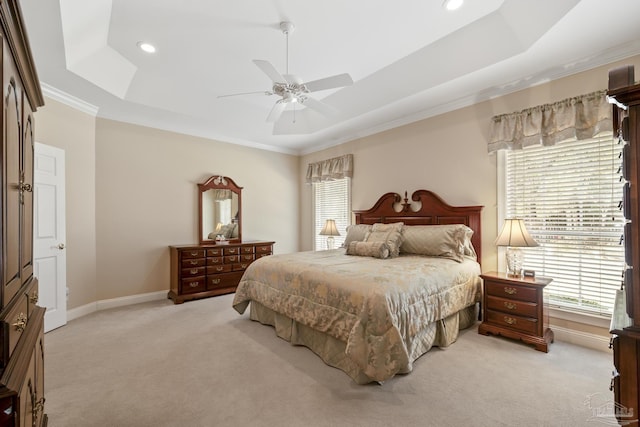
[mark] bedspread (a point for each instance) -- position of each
(378, 307)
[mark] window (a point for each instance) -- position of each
(569, 195)
(332, 200)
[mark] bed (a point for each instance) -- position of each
(406, 280)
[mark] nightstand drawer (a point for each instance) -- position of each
(513, 322)
(509, 291)
(512, 306)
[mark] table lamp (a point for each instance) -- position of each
(330, 230)
(514, 235)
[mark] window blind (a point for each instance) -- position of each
(569, 195)
(332, 200)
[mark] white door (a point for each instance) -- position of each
(49, 254)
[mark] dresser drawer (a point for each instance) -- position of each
(261, 255)
(230, 259)
(216, 260)
(246, 250)
(246, 258)
(513, 322)
(263, 249)
(12, 325)
(192, 253)
(520, 308)
(231, 251)
(193, 272)
(217, 269)
(214, 252)
(226, 280)
(193, 262)
(241, 266)
(506, 290)
(193, 284)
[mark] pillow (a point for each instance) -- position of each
(356, 233)
(451, 241)
(391, 234)
(372, 249)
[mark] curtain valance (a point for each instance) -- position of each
(336, 168)
(580, 117)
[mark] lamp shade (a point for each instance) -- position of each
(330, 228)
(515, 234)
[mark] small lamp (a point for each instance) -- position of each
(514, 235)
(330, 230)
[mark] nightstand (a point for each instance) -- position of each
(514, 308)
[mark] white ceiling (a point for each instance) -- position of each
(409, 59)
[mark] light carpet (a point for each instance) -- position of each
(202, 364)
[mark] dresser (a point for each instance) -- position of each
(200, 271)
(21, 319)
(514, 307)
(625, 325)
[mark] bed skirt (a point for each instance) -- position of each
(332, 351)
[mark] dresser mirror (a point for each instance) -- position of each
(220, 204)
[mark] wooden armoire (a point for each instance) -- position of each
(625, 97)
(21, 319)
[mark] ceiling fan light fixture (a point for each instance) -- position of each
(452, 4)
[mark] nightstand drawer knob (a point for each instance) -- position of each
(510, 320)
(510, 291)
(510, 305)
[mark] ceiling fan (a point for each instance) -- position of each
(291, 89)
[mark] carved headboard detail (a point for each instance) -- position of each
(428, 209)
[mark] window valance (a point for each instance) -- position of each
(336, 168)
(580, 117)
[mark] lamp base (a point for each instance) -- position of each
(330, 242)
(515, 259)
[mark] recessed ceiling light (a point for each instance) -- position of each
(452, 4)
(147, 47)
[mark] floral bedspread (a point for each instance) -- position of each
(378, 307)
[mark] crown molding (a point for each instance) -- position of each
(69, 100)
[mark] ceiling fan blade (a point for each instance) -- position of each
(320, 107)
(246, 93)
(270, 71)
(276, 111)
(332, 82)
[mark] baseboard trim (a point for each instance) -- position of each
(113, 303)
(584, 339)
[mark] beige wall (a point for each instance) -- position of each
(131, 190)
(146, 200)
(446, 154)
(73, 131)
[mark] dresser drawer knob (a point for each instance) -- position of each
(510, 320)
(510, 291)
(510, 305)
(194, 253)
(21, 322)
(219, 268)
(33, 298)
(194, 271)
(215, 281)
(194, 262)
(243, 265)
(194, 284)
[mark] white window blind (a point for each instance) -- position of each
(569, 195)
(332, 200)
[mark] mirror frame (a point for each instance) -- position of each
(218, 182)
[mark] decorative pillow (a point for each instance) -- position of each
(391, 234)
(372, 249)
(356, 233)
(451, 241)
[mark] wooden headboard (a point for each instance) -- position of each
(429, 209)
